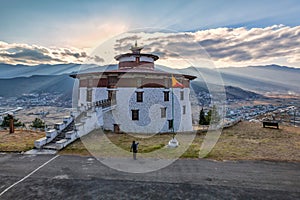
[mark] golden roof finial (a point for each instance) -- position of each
(136, 49)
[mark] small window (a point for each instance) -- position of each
(163, 112)
(166, 95)
(139, 96)
(135, 114)
(112, 81)
(183, 110)
(111, 95)
(181, 95)
(170, 123)
(89, 95)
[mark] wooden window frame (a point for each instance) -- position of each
(139, 96)
(181, 95)
(135, 115)
(89, 95)
(171, 123)
(166, 95)
(163, 112)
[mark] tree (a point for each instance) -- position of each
(202, 119)
(212, 116)
(38, 123)
(208, 117)
(215, 117)
(17, 123)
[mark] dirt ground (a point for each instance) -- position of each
(21, 140)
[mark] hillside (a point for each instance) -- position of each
(15, 87)
(259, 79)
(231, 92)
(63, 84)
(269, 78)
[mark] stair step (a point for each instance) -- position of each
(52, 145)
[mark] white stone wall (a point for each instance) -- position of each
(97, 95)
(82, 96)
(129, 58)
(186, 120)
(108, 121)
(146, 59)
(150, 120)
(88, 124)
(100, 94)
(132, 58)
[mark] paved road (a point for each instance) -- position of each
(75, 177)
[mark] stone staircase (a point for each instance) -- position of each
(86, 120)
(60, 137)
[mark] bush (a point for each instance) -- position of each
(38, 123)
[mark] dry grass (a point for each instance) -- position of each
(244, 141)
(249, 141)
(21, 140)
(97, 142)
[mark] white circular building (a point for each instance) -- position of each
(137, 98)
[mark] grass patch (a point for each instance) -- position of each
(250, 141)
(148, 149)
(21, 140)
(244, 141)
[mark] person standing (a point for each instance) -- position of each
(134, 149)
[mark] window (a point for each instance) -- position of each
(183, 110)
(135, 114)
(170, 123)
(166, 95)
(112, 81)
(89, 95)
(163, 112)
(181, 95)
(139, 96)
(111, 95)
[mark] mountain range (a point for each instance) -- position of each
(242, 82)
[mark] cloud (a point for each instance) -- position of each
(128, 39)
(277, 44)
(226, 46)
(34, 55)
(30, 55)
(257, 45)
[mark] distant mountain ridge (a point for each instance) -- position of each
(15, 87)
(261, 79)
(270, 78)
(63, 84)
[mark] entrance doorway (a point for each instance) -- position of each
(116, 128)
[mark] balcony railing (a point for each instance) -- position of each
(105, 103)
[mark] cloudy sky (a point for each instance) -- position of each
(230, 33)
